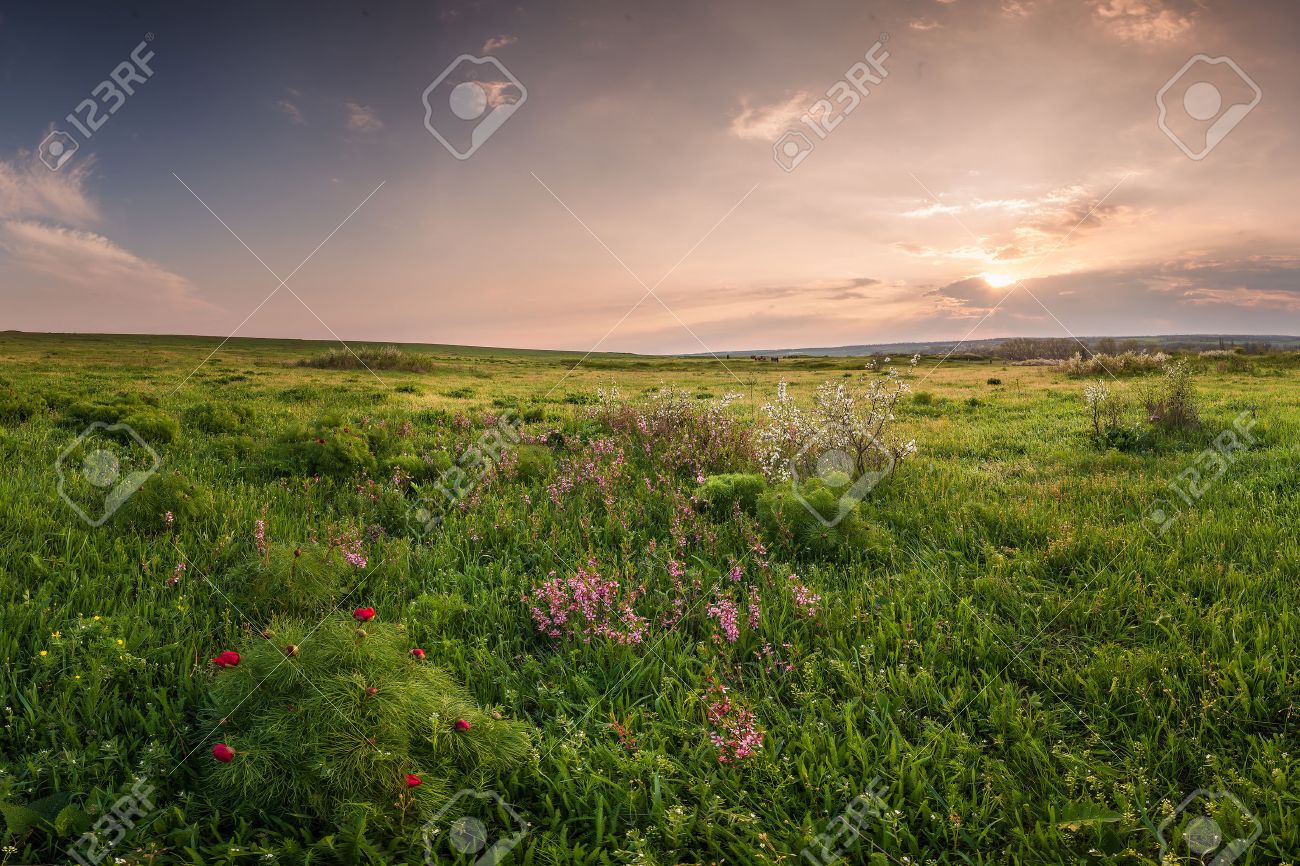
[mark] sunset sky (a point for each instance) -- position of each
(1011, 140)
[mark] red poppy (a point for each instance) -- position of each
(412, 780)
(223, 753)
(462, 725)
(227, 659)
(363, 614)
(417, 653)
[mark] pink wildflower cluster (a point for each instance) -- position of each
(732, 728)
(349, 543)
(588, 605)
(259, 536)
(804, 598)
(726, 612)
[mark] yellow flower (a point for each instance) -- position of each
(121, 642)
(44, 653)
(56, 635)
(76, 676)
(96, 617)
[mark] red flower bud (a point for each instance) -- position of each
(372, 691)
(462, 725)
(223, 753)
(412, 780)
(417, 653)
(363, 614)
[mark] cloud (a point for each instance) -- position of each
(29, 190)
(924, 23)
(496, 43)
(94, 264)
(768, 122)
(362, 118)
(1142, 20)
(289, 110)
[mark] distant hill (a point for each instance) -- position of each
(1167, 342)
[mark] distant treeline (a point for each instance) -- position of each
(1062, 348)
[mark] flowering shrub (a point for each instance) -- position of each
(1172, 403)
(859, 423)
(676, 430)
(333, 720)
(1114, 365)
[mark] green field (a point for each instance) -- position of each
(992, 642)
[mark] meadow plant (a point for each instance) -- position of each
(1118, 364)
(859, 422)
(733, 729)
(334, 720)
(674, 429)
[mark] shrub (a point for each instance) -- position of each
(165, 493)
(334, 726)
(407, 388)
(676, 430)
(993, 380)
(923, 398)
(788, 518)
(374, 358)
(219, 417)
(297, 580)
(17, 406)
(857, 426)
(459, 393)
(1114, 365)
(722, 493)
(1172, 403)
(326, 447)
(533, 463)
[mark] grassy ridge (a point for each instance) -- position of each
(1031, 675)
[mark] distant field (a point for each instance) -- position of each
(995, 642)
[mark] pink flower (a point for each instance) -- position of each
(417, 654)
(462, 725)
(363, 614)
(412, 780)
(223, 753)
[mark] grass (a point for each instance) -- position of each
(1031, 675)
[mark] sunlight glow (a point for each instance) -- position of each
(997, 281)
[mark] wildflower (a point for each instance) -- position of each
(227, 659)
(363, 614)
(291, 650)
(121, 642)
(259, 535)
(169, 518)
(44, 653)
(462, 725)
(418, 654)
(412, 780)
(223, 753)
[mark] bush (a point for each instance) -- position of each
(363, 357)
(17, 406)
(162, 494)
(993, 380)
(326, 447)
(332, 728)
(1114, 365)
(1172, 403)
(153, 426)
(787, 515)
(219, 417)
(296, 580)
(533, 463)
(722, 493)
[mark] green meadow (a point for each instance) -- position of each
(658, 655)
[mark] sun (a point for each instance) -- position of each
(997, 281)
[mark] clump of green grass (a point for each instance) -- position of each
(331, 720)
(369, 357)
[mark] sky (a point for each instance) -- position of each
(661, 178)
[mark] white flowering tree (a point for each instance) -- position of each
(857, 421)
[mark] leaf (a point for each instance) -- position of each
(1075, 816)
